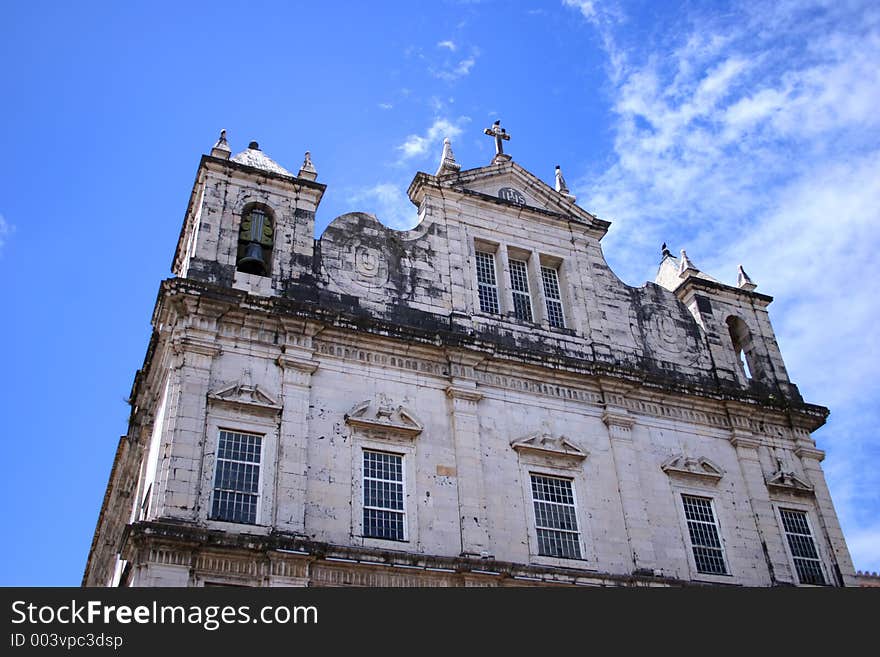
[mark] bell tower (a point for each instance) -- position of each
(250, 222)
(737, 325)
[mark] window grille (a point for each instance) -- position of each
(383, 496)
(703, 530)
(802, 547)
(519, 284)
(237, 477)
(555, 517)
(550, 278)
(487, 286)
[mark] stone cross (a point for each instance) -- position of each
(500, 134)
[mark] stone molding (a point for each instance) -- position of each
(699, 468)
(553, 447)
(249, 397)
(381, 415)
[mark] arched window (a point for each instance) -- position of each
(255, 240)
(741, 338)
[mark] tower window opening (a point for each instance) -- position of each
(743, 347)
(255, 240)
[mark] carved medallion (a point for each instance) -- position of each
(511, 195)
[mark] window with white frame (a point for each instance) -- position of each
(703, 531)
(519, 285)
(552, 296)
(802, 547)
(555, 517)
(487, 286)
(384, 514)
(237, 477)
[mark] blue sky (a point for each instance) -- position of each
(745, 132)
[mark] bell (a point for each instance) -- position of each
(253, 262)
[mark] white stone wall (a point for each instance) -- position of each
(471, 419)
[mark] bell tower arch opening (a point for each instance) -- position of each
(256, 237)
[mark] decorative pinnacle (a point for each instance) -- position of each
(447, 160)
(685, 265)
(561, 187)
(221, 148)
(307, 170)
(743, 281)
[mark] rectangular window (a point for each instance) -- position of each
(383, 496)
(706, 544)
(237, 478)
(519, 284)
(555, 517)
(802, 547)
(550, 278)
(487, 286)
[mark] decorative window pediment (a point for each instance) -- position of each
(553, 447)
(783, 480)
(383, 416)
(251, 397)
(695, 468)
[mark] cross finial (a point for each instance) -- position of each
(500, 135)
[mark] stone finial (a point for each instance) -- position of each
(561, 187)
(307, 170)
(447, 160)
(685, 266)
(221, 148)
(743, 281)
(665, 252)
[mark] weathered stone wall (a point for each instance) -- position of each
(373, 339)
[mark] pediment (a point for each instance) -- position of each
(245, 395)
(509, 184)
(552, 446)
(783, 480)
(699, 468)
(384, 416)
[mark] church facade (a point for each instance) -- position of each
(478, 401)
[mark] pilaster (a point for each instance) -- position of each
(297, 365)
(464, 399)
(811, 459)
(632, 500)
(746, 446)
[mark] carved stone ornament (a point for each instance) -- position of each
(697, 468)
(543, 444)
(788, 482)
(250, 397)
(383, 416)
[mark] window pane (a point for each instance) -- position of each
(555, 316)
(237, 477)
(703, 532)
(555, 517)
(487, 288)
(519, 284)
(802, 547)
(383, 496)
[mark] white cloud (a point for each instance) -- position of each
(418, 145)
(386, 106)
(447, 44)
(390, 205)
(586, 7)
(746, 140)
(6, 230)
(456, 71)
